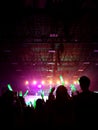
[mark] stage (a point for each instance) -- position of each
(30, 99)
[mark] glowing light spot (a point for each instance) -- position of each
(20, 93)
(39, 86)
(50, 82)
(27, 82)
(43, 82)
(75, 82)
(66, 82)
(34, 82)
(58, 82)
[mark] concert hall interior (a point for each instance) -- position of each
(43, 42)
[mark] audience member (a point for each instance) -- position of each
(85, 104)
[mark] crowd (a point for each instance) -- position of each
(59, 111)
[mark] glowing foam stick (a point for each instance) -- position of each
(42, 94)
(50, 90)
(62, 81)
(9, 87)
(26, 93)
(34, 103)
(20, 93)
(73, 89)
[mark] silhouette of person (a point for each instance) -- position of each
(62, 111)
(85, 104)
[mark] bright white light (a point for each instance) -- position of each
(34, 82)
(80, 70)
(75, 82)
(27, 82)
(66, 82)
(39, 86)
(43, 82)
(58, 82)
(50, 82)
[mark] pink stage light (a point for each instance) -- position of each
(39, 86)
(27, 82)
(34, 82)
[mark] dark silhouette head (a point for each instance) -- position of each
(84, 83)
(61, 93)
(39, 104)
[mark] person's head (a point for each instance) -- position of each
(39, 104)
(84, 83)
(61, 93)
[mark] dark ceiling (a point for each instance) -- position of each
(41, 38)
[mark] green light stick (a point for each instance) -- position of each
(34, 103)
(62, 81)
(20, 93)
(9, 87)
(73, 89)
(26, 93)
(42, 94)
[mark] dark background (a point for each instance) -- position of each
(26, 25)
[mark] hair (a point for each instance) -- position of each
(84, 82)
(61, 93)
